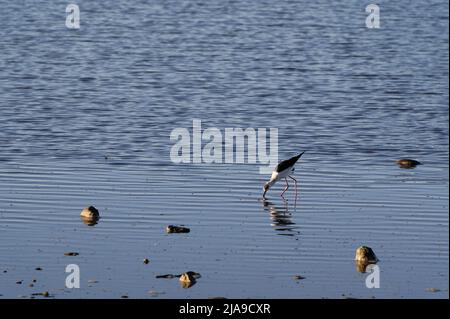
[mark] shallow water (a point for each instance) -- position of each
(86, 115)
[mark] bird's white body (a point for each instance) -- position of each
(277, 176)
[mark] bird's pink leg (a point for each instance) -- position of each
(296, 191)
(295, 182)
(287, 187)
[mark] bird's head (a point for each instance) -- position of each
(265, 189)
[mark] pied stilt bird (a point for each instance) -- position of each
(283, 170)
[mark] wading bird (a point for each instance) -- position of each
(283, 170)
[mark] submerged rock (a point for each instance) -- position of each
(188, 279)
(194, 274)
(177, 229)
(365, 254)
(407, 163)
(364, 257)
(155, 293)
(187, 284)
(44, 294)
(90, 212)
(71, 253)
(168, 276)
(189, 276)
(89, 221)
(361, 266)
(298, 277)
(432, 290)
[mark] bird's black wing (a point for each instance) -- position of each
(287, 163)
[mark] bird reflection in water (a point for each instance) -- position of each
(281, 219)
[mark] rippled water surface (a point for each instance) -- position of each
(86, 116)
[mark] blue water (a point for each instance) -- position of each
(86, 117)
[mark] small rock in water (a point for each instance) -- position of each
(298, 277)
(408, 163)
(186, 278)
(31, 285)
(189, 276)
(177, 229)
(90, 212)
(187, 284)
(169, 276)
(90, 221)
(365, 254)
(124, 296)
(38, 268)
(71, 254)
(361, 266)
(432, 290)
(155, 293)
(19, 282)
(90, 216)
(146, 261)
(45, 294)
(364, 257)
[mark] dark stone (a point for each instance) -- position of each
(177, 229)
(71, 254)
(408, 163)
